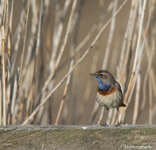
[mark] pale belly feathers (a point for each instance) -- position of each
(110, 101)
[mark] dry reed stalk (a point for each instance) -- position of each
(150, 58)
(3, 63)
(153, 80)
(1, 103)
(11, 16)
(154, 111)
(21, 68)
(94, 112)
(34, 28)
(6, 19)
(150, 102)
(9, 52)
(18, 35)
(3, 9)
(3, 76)
(137, 99)
(151, 83)
(64, 96)
(23, 52)
(38, 38)
(136, 59)
(121, 111)
(29, 86)
(14, 96)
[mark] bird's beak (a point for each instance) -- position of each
(93, 74)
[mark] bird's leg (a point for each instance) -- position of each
(105, 123)
(101, 116)
(118, 123)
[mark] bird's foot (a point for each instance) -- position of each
(118, 124)
(104, 124)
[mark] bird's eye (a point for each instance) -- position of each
(100, 74)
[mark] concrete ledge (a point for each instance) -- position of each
(77, 137)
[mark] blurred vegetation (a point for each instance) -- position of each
(48, 48)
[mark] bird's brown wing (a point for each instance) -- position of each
(119, 88)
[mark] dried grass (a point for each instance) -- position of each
(42, 50)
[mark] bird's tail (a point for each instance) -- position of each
(123, 105)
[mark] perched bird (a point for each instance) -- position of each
(109, 92)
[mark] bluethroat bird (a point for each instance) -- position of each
(109, 92)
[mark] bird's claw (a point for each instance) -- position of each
(104, 124)
(118, 124)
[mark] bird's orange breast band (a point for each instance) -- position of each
(105, 93)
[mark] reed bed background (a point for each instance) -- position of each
(48, 48)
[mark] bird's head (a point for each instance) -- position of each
(104, 76)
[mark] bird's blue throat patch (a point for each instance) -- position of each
(101, 86)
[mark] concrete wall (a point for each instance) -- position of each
(77, 137)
